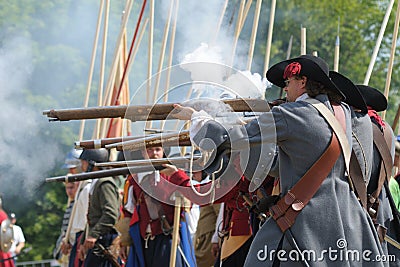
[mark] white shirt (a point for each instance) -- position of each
(80, 211)
(18, 238)
(302, 97)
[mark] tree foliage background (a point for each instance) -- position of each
(45, 49)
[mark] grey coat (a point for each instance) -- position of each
(333, 223)
(362, 139)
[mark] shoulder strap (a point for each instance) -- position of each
(336, 127)
(287, 208)
(356, 180)
(356, 177)
(387, 163)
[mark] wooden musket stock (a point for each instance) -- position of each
(101, 143)
(146, 112)
(169, 139)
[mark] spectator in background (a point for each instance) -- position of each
(58, 253)
(63, 248)
(5, 255)
(394, 185)
(19, 238)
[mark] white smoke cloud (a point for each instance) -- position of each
(25, 155)
(197, 24)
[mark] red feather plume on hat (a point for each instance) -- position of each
(291, 70)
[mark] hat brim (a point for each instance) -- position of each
(309, 69)
(373, 97)
(68, 166)
(349, 89)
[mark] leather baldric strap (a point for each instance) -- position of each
(356, 176)
(338, 128)
(288, 207)
(381, 143)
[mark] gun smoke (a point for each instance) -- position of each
(25, 154)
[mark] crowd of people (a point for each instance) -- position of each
(328, 197)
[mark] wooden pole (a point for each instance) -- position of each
(125, 93)
(254, 34)
(392, 54)
(121, 36)
(162, 54)
(150, 52)
(150, 56)
(237, 31)
(269, 37)
(221, 18)
(175, 232)
(102, 67)
(289, 49)
(244, 14)
(163, 48)
(303, 44)
(396, 120)
(378, 42)
(89, 83)
(337, 49)
(171, 56)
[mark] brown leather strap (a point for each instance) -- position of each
(288, 207)
(358, 181)
(381, 143)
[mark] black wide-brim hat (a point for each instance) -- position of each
(350, 90)
(314, 68)
(373, 97)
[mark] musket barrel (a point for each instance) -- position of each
(169, 139)
(100, 174)
(145, 112)
(146, 162)
(101, 143)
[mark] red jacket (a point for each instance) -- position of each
(164, 191)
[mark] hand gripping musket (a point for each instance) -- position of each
(169, 139)
(146, 112)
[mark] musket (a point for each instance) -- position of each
(97, 174)
(140, 166)
(170, 139)
(147, 112)
(101, 143)
(142, 162)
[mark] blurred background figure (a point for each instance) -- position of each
(72, 161)
(6, 238)
(70, 190)
(73, 164)
(19, 238)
